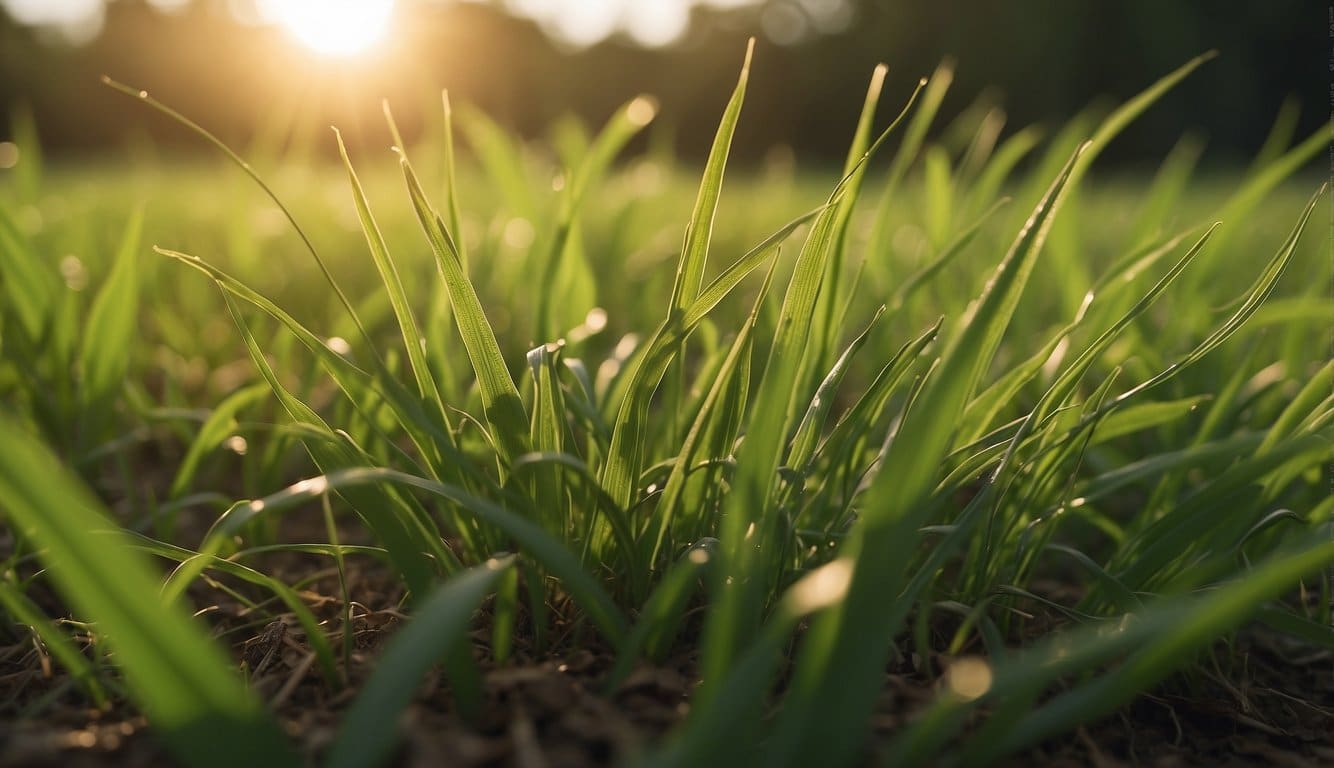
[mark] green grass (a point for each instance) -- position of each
(830, 411)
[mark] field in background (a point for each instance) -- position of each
(756, 465)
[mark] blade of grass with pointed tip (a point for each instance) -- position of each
(500, 397)
(197, 706)
(409, 330)
(750, 510)
(825, 331)
(690, 270)
(105, 344)
(1250, 303)
(914, 134)
(1126, 113)
(451, 181)
(1069, 378)
(199, 130)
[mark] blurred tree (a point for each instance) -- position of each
(1043, 60)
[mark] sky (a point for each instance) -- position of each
(347, 26)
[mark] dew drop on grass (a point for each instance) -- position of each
(314, 486)
(338, 345)
(74, 273)
(237, 444)
(9, 154)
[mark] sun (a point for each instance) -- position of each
(332, 27)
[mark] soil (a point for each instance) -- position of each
(549, 710)
(1265, 702)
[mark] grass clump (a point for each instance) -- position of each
(892, 440)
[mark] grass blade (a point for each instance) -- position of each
(398, 298)
(199, 130)
(500, 397)
(104, 354)
(690, 272)
(369, 729)
(197, 706)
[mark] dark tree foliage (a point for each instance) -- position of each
(1042, 60)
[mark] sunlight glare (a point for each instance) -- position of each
(331, 27)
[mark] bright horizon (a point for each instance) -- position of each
(351, 27)
(331, 27)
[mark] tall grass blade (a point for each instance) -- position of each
(690, 271)
(410, 331)
(500, 397)
(199, 130)
(197, 706)
(109, 331)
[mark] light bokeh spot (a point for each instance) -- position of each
(969, 678)
(821, 588)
